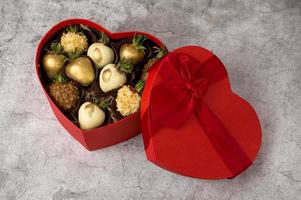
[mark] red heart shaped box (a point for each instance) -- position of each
(106, 135)
(188, 150)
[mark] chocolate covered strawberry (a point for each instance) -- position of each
(64, 93)
(159, 54)
(134, 52)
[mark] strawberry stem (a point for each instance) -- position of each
(73, 55)
(72, 29)
(138, 42)
(59, 78)
(106, 102)
(56, 47)
(124, 66)
(104, 38)
(160, 52)
(139, 86)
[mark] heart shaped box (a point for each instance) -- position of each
(186, 150)
(220, 140)
(103, 136)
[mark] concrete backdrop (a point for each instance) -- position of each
(260, 43)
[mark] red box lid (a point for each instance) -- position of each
(192, 122)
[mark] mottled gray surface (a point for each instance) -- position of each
(260, 43)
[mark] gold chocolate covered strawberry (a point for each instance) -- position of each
(64, 93)
(53, 61)
(81, 70)
(133, 53)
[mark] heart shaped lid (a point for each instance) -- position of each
(192, 122)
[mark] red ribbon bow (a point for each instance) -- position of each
(180, 94)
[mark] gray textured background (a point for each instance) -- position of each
(260, 43)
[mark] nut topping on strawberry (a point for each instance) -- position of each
(64, 93)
